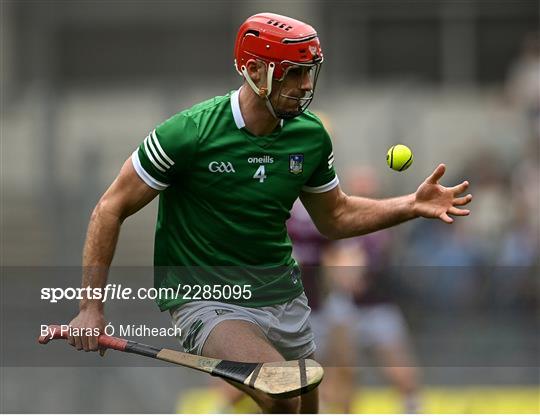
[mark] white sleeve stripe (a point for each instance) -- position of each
(151, 182)
(331, 155)
(323, 188)
(149, 154)
(161, 162)
(160, 149)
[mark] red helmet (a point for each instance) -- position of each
(281, 43)
(274, 38)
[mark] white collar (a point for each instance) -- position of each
(235, 105)
(237, 113)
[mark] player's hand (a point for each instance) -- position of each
(432, 200)
(91, 317)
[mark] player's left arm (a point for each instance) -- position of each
(338, 215)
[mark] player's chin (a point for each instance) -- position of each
(289, 113)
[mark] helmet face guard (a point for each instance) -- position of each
(302, 73)
(288, 48)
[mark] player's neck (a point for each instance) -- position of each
(256, 116)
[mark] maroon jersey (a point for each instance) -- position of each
(375, 247)
(308, 245)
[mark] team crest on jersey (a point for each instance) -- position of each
(296, 163)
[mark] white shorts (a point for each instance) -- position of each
(286, 326)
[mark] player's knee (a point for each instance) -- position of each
(291, 405)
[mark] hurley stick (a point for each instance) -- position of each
(280, 379)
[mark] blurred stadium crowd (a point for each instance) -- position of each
(459, 82)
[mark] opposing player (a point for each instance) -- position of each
(228, 171)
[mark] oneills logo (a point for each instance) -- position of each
(261, 160)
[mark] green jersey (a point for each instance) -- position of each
(226, 195)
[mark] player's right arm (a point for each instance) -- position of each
(126, 195)
(162, 158)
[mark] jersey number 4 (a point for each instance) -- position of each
(260, 174)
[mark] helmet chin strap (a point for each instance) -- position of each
(263, 92)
